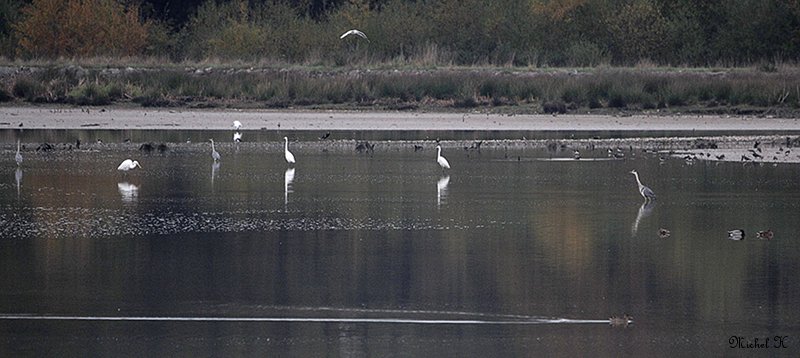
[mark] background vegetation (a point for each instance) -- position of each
(461, 32)
(444, 54)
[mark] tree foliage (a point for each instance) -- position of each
(502, 32)
(77, 28)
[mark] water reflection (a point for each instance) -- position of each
(441, 189)
(18, 177)
(129, 192)
(644, 211)
(214, 170)
(288, 178)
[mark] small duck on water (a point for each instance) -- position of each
(663, 233)
(765, 235)
(623, 321)
(737, 234)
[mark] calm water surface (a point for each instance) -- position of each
(387, 251)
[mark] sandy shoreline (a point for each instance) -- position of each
(144, 118)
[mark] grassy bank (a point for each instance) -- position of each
(770, 91)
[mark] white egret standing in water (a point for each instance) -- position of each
(214, 153)
(18, 157)
(646, 192)
(128, 164)
(237, 125)
(354, 32)
(441, 160)
(289, 156)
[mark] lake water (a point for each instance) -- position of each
(514, 251)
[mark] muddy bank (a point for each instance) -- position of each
(114, 118)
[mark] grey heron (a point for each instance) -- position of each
(214, 153)
(646, 192)
(18, 157)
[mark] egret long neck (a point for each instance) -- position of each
(639, 182)
(212, 145)
(286, 144)
(439, 152)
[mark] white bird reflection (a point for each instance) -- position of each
(441, 189)
(288, 178)
(214, 170)
(129, 192)
(18, 176)
(644, 211)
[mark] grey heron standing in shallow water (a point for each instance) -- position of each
(214, 153)
(646, 192)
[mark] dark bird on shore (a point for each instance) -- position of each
(45, 147)
(720, 157)
(745, 158)
(736, 235)
(757, 143)
(20, 124)
(663, 233)
(78, 144)
(325, 136)
(365, 146)
(417, 147)
(146, 147)
(623, 321)
(765, 234)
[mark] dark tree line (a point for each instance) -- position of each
(503, 32)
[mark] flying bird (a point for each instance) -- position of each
(354, 32)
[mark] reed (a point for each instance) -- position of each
(518, 89)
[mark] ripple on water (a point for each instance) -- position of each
(94, 223)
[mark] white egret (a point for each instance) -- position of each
(440, 159)
(289, 156)
(18, 157)
(214, 153)
(237, 125)
(128, 164)
(646, 192)
(237, 137)
(354, 32)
